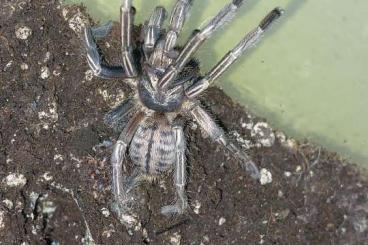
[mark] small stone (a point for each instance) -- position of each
(290, 144)
(8, 204)
(280, 137)
(47, 57)
(105, 212)
(78, 22)
(2, 218)
(48, 208)
(23, 32)
(88, 75)
(280, 193)
(266, 176)
(23, 66)
(287, 174)
(65, 12)
(45, 72)
(15, 180)
(263, 133)
(197, 206)
(175, 239)
(221, 221)
(58, 158)
(8, 65)
(193, 126)
(47, 176)
(128, 219)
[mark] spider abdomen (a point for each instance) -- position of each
(152, 148)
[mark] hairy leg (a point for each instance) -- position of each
(177, 19)
(94, 58)
(179, 176)
(218, 135)
(197, 40)
(119, 116)
(121, 199)
(247, 42)
(152, 30)
(126, 21)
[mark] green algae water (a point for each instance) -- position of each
(308, 77)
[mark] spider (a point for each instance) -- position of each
(167, 84)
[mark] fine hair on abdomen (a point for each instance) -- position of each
(153, 146)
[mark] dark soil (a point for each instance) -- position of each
(54, 159)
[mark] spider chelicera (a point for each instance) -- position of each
(167, 85)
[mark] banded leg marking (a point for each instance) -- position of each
(247, 42)
(181, 203)
(126, 22)
(218, 135)
(197, 40)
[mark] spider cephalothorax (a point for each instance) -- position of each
(167, 85)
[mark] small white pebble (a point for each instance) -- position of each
(23, 66)
(56, 73)
(287, 174)
(45, 72)
(197, 206)
(261, 241)
(266, 176)
(193, 126)
(8, 65)
(47, 176)
(19, 206)
(280, 193)
(65, 12)
(107, 233)
(88, 75)
(280, 137)
(263, 133)
(78, 22)
(23, 32)
(2, 217)
(290, 144)
(47, 57)
(129, 219)
(58, 158)
(175, 239)
(105, 212)
(15, 180)
(8, 204)
(145, 233)
(221, 221)
(48, 208)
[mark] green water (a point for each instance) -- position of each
(309, 75)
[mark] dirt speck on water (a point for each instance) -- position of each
(54, 157)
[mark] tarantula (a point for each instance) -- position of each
(167, 84)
